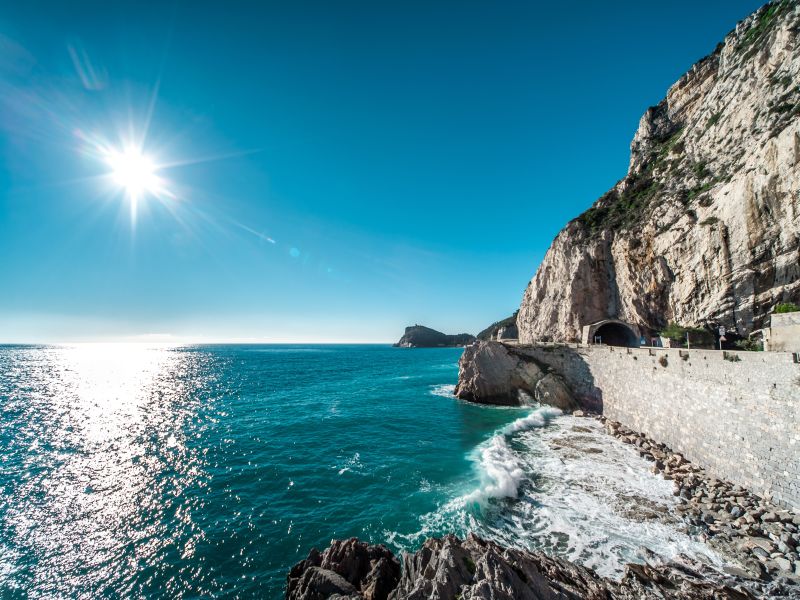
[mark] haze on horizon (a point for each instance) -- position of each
(310, 172)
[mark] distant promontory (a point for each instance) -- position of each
(419, 336)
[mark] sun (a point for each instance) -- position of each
(134, 172)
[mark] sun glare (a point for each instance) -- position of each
(134, 172)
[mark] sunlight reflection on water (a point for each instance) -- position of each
(101, 441)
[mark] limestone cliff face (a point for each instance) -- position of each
(494, 373)
(705, 226)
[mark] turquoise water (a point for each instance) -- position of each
(183, 472)
(157, 472)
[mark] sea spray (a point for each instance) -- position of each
(560, 484)
(498, 465)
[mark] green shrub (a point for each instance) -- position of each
(750, 345)
(677, 333)
(700, 170)
(713, 120)
(786, 307)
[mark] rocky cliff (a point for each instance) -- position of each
(705, 226)
(419, 336)
(494, 373)
(500, 330)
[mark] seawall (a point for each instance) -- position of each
(735, 413)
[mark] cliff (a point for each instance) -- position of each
(705, 226)
(494, 373)
(419, 336)
(502, 330)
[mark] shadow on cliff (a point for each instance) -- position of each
(569, 364)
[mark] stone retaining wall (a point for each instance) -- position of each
(735, 413)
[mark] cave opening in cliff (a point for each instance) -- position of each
(616, 334)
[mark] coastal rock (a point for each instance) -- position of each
(494, 373)
(350, 568)
(318, 584)
(506, 329)
(705, 227)
(551, 389)
(419, 336)
(448, 569)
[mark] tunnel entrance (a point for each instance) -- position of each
(611, 332)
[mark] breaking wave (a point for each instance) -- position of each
(499, 466)
(560, 484)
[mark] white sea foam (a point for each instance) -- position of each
(562, 485)
(353, 464)
(538, 417)
(501, 472)
(446, 390)
(499, 466)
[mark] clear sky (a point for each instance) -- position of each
(327, 171)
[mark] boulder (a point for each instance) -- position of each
(496, 373)
(347, 567)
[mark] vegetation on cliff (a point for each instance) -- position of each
(786, 307)
(704, 228)
(491, 331)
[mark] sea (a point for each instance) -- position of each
(151, 471)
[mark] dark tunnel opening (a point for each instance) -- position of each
(616, 334)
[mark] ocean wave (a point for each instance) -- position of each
(536, 418)
(578, 493)
(446, 390)
(499, 467)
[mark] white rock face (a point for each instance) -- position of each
(493, 373)
(705, 227)
(490, 374)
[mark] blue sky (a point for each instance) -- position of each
(335, 171)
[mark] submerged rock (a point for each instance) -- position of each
(448, 568)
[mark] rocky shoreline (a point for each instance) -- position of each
(746, 529)
(757, 534)
(448, 568)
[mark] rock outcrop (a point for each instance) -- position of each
(494, 373)
(348, 568)
(705, 226)
(448, 569)
(505, 329)
(419, 336)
